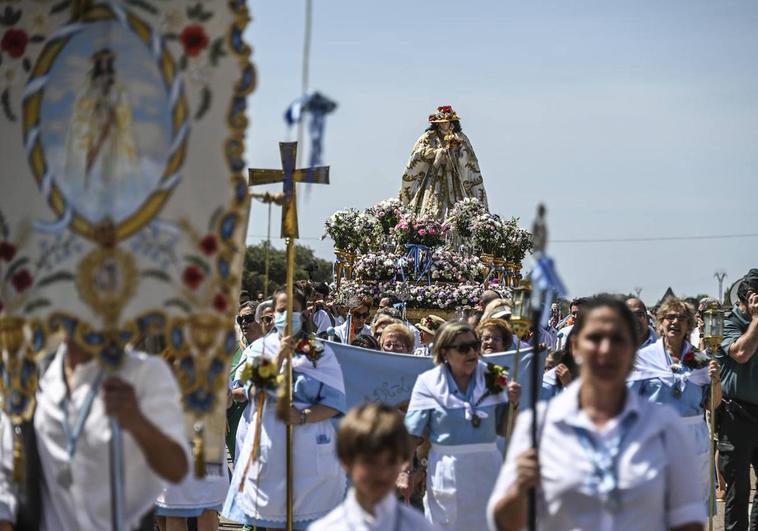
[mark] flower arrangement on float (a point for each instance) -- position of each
(386, 250)
(419, 231)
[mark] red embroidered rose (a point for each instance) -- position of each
(21, 280)
(690, 356)
(7, 251)
(14, 42)
(220, 303)
(194, 40)
(192, 277)
(209, 244)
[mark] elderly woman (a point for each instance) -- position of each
(608, 459)
(264, 316)
(460, 406)
(396, 338)
(257, 494)
(671, 371)
(495, 334)
(381, 321)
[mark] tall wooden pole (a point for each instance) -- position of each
(288, 377)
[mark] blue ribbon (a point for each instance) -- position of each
(422, 260)
(318, 106)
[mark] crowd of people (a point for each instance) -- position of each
(623, 432)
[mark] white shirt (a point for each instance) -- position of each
(560, 340)
(8, 504)
(341, 332)
(656, 477)
(350, 516)
(322, 321)
(87, 503)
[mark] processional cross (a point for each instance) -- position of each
(289, 177)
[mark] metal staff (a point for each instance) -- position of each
(713, 333)
(521, 323)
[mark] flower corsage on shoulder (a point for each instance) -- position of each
(695, 359)
(496, 379)
(311, 348)
(262, 372)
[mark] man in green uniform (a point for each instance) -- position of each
(738, 418)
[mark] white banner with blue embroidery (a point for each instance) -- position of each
(124, 202)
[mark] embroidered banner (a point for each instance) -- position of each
(123, 198)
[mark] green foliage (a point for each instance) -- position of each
(255, 267)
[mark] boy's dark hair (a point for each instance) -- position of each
(371, 429)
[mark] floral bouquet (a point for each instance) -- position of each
(462, 214)
(389, 212)
(341, 228)
(421, 230)
(448, 266)
(487, 232)
(495, 379)
(262, 372)
(515, 242)
(369, 233)
(311, 348)
(376, 266)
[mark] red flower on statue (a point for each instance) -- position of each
(22, 280)
(194, 40)
(209, 245)
(220, 303)
(192, 276)
(14, 42)
(7, 251)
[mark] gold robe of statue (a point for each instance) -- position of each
(441, 171)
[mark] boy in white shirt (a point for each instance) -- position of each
(373, 445)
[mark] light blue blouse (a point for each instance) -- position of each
(690, 403)
(450, 427)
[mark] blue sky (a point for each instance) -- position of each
(628, 119)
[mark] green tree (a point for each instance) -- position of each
(308, 266)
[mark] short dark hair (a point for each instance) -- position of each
(581, 301)
(297, 295)
(371, 429)
(604, 300)
(748, 283)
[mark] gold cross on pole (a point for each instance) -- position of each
(289, 176)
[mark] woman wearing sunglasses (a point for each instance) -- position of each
(356, 322)
(318, 395)
(461, 409)
(671, 371)
(607, 459)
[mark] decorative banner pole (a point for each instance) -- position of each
(521, 321)
(289, 176)
(546, 284)
(268, 198)
(713, 333)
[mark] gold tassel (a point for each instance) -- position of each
(283, 404)
(18, 455)
(198, 451)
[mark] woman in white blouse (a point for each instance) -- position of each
(607, 459)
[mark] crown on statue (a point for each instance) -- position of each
(445, 113)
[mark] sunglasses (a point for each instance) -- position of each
(249, 318)
(465, 348)
(363, 315)
(267, 319)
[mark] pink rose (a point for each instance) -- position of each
(422, 232)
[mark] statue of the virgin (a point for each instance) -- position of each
(442, 169)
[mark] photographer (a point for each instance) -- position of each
(738, 429)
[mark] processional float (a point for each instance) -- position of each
(124, 201)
